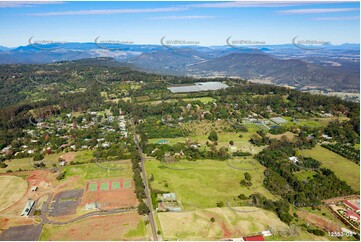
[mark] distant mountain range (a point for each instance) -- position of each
(334, 67)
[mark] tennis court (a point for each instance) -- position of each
(95, 186)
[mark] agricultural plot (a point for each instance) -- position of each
(196, 225)
(345, 169)
(12, 189)
(203, 183)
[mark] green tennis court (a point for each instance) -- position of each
(104, 186)
(93, 187)
(126, 184)
(115, 185)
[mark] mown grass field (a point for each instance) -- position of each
(345, 169)
(196, 225)
(91, 171)
(205, 182)
(12, 189)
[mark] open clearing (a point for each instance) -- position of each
(288, 134)
(199, 132)
(128, 226)
(205, 182)
(49, 160)
(12, 189)
(196, 225)
(121, 169)
(345, 169)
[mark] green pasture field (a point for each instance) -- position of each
(345, 169)
(203, 183)
(91, 171)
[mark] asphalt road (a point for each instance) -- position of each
(145, 181)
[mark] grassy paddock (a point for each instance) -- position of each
(12, 189)
(199, 131)
(345, 169)
(205, 182)
(196, 225)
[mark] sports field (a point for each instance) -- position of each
(91, 171)
(345, 169)
(12, 189)
(203, 183)
(109, 185)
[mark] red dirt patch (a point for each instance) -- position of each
(318, 221)
(226, 232)
(111, 199)
(68, 157)
(112, 227)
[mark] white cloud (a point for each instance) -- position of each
(181, 17)
(244, 4)
(25, 4)
(110, 11)
(317, 10)
(338, 18)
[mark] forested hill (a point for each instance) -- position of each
(28, 91)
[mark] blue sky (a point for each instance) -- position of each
(209, 23)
